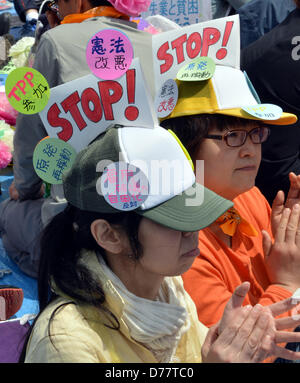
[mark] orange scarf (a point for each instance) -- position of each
(231, 221)
(97, 11)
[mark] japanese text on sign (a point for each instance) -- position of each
(109, 54)
(182, 12)
(124, 186)
(51, 158)
(27, 90)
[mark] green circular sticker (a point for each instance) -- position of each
(200, 69)
(264, 111)
(51, 158)
(27, 90)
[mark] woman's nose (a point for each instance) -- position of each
(249, 149)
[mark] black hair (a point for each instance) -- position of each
(297, 2)
(191, 130)
(61, 243)
(98, 3)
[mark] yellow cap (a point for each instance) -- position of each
(227, 93)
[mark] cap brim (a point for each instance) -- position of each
(193, 210)
(285, 119)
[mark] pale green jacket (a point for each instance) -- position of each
(78, 333)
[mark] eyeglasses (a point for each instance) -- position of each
(238, 137)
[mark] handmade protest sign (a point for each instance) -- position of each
(166, 99)
(200, 69)
(109, 54)
(181, 12)
(27, 90)
(218, 39)
(51, 158)
(78, 111)
(124, 186)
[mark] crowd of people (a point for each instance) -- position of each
(167, 281)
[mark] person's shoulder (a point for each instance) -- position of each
(61, 312)
(253, 205)
(250, 198)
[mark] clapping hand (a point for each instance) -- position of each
(251, 334)
(293, 198)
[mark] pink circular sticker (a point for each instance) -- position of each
(109, 54)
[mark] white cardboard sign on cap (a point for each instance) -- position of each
(80, 110)
(124, 186)
(218, 39)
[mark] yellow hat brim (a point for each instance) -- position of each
(285, 119)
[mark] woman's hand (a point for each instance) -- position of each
(282, 258)
(251, 334)
(278, 205)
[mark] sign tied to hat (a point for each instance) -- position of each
(226, 90)
(159, 165)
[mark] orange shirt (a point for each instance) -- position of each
(218, 270)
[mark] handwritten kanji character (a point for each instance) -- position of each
(191, 66)
(193, 7)
(153, 8)
(97, 46)
(119, 62)
(201, 65)
(65, 154)
(163, 8)
(125, 198)
(113, 198)
(57, 174)
(28, 105)
(61, 164)
(42, 165)
(163, 90)
(162, 106)
(170, 103)
(39, 91)
(50, 150)
(102, 63)
(117, 45)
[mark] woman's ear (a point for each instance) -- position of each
(107, 237)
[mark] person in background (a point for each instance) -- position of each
(223, 8)
(27, 11)
(210, 122)
(259, 17)
(272, 64)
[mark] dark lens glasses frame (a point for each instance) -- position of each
(225, 136)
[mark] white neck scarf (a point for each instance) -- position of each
(158, 325)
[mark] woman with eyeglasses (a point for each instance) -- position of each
(212, 123)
